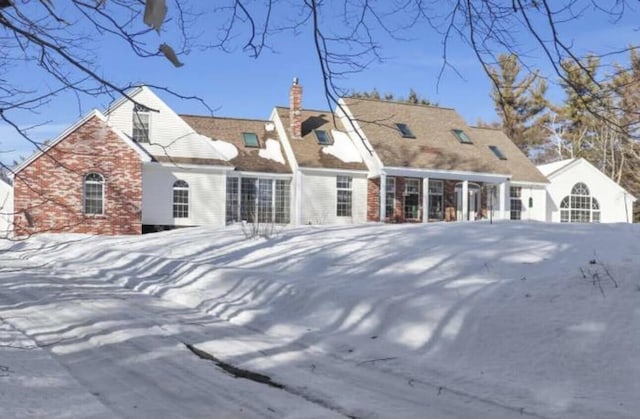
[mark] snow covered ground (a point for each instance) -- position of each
(440, 320)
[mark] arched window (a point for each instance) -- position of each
(94, 194)
(180, 199)
(580, 206)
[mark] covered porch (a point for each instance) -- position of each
(411, 196)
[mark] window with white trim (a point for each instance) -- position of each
(411, 199)
(180, 199)
(282, 202)
(232, 200)
(579, 206)
(93, 194)
(141, 119)
(260, 200)
(515, 196)
(436, 200)
(343, 196)
(390, 197)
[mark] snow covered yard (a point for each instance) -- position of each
(439, 320)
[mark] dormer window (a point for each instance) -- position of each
(405, 131)
(250, 139)
(322, 137)
(499, 154)
(141, 118)
(462, 136)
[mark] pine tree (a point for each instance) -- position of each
(520, 102)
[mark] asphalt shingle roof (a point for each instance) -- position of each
(435, 146)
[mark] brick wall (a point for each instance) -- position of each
(373, 199)
(48, 193)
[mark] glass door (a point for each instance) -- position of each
(412, 199)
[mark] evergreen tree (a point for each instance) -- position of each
(520, 102)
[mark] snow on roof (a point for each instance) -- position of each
(272, 151)
(226, 149)
(549, 168)
(343, 148)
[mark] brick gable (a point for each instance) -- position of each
(48, 192)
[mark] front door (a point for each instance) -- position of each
(412, 199)
(473, 201)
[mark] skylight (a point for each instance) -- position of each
(322, 137)
(250, 139)
(462, 136)
(499, 154)
(405, 131)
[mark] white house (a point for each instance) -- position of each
(579, 192)
(6, 208)
(426, 164)
(140, 166)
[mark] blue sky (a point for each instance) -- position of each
(234, 84)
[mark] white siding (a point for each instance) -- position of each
(538, 195)
(6, 209)
(206, 196)
(319, 198)
(610, 196)
(168, 133)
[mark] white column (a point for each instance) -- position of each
(465, 200)
(383, 198)
(425, 200)
(298, 198)
(502, 201)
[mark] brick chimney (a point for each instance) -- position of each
(295, 109)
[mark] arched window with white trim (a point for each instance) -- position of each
(180, 199)
(93, 194)
(579, 206)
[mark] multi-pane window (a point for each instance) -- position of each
(141, 117)
(412, 199)
(232, 200)
(94, 194)
(248, 193)
(515, 194)
(258, 200)
(282, 202)
(180, 199)
(390, 197)
(265, 200)
(580, 206)
(436, 192)
(344, 195)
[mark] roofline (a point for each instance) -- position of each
(304, 110)
(487, 128)
(144, 156)
(223, 117)
(396, 102)
(332, 170)
(272, 175)
(527, 182)
(570, 162)
(60, 137)
(446, 174)
(189, 166)
(116, 103)
(578, 160)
